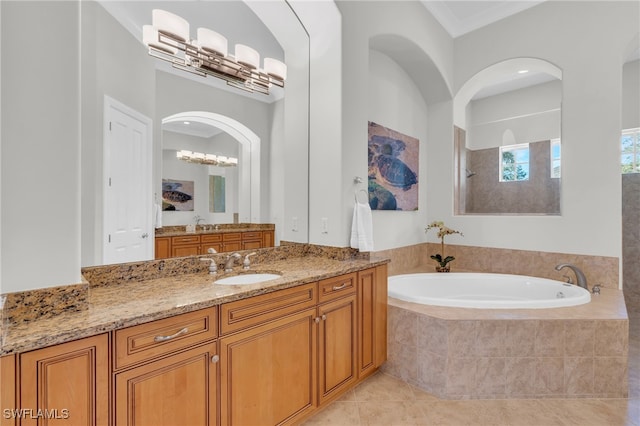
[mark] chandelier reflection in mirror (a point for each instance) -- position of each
(168, 39)
(208, 159)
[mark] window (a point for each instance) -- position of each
(514, 163)
(630, 147)
(555, 158)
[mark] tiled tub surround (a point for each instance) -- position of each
(458, 353)
(600, 270)
(120, 296)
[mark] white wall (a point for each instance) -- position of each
(531, 115)
(395, 102)
(363, 21)
(631, 95)
(590, 52)
(40, 145)
(115, 64)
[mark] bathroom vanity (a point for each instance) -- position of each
(174, 241)
(181, 350)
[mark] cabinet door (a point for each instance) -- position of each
(268, 373)
(337, 346)
(178, 390)
(267, 238)
(232, 246)
(204, 248)
(181, 251)
(251, 245)
(67, 383)
(163, 247)
(366, 321)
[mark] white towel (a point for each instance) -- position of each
(362, 227)
(158, 215)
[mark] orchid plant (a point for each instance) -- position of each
(443, 231)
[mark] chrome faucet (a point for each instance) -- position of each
(228, 266)
(580, 277)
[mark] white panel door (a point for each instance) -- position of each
(128, 204)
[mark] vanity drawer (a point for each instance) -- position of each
(332, 288)
(254, 235)
(211, 238)
(161, 337)
(186, 239)
(259, 309)
(232, 236)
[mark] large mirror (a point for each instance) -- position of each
(116, 65)
(507, 140)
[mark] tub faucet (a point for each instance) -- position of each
(228, 266)
(582, 280)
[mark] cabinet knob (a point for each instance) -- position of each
(316, 320)
(324, 317)
(215, 358)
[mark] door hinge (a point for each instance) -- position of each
(109, 237)
(109, 181)
(109, 126)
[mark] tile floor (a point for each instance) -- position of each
(385, 400)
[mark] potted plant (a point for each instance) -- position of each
(440, 258)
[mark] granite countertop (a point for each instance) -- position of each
(110, 307)
(179, 231)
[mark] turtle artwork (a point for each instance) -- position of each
(393, 169)
(177, 195)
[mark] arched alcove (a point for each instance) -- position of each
(248, 161)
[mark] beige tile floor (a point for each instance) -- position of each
(385, 400)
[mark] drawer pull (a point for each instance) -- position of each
(173, 336)
(340, 287)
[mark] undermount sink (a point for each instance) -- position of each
(247, 279)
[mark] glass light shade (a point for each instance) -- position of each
(212, 42)
(150, 38)
(247, 56)
(275, 68)
(170, 24)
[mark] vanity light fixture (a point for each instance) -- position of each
(208, 159)
(168, 39)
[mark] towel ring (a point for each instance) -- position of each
(365, 193)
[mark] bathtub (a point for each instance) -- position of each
(486, 291)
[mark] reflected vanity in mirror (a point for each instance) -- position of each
(201, 190)
(507, 148)
(116, 64)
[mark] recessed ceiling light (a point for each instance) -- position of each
(186, 122)
(523, 71)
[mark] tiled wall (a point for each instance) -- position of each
(462, 359)
(485, 194)
(631, 241)
(600, 270)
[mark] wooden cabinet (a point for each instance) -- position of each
(177, 390)
(298, 345)
(68, 383)
(166, 371)
(268, 373)
(372, 319)
(163, 247)
(186, 245)
(208, 241)
(336, 347)
(252, 240)
(197, 244)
